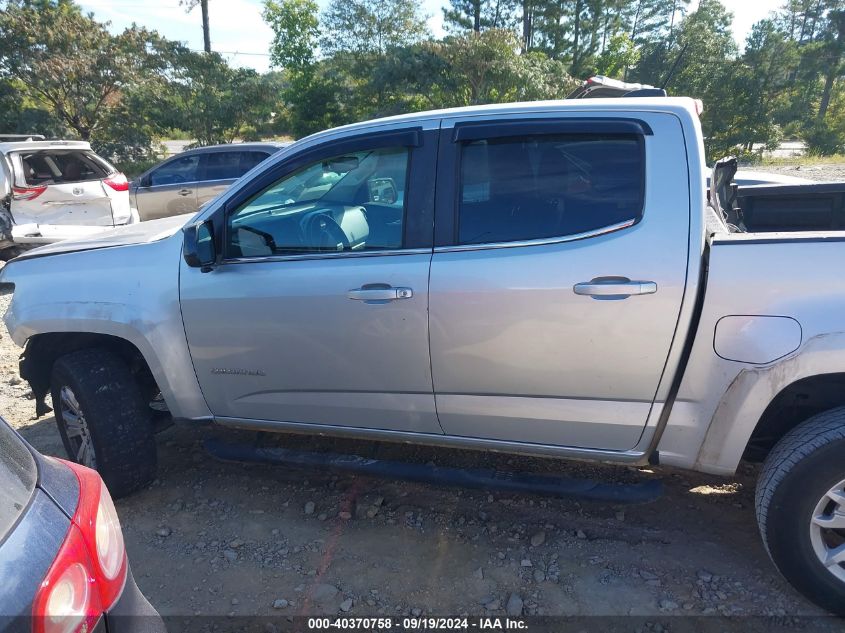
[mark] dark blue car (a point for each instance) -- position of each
(63, 565)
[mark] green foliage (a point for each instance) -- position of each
(320, 100)
(486, 67)
(826, 137)
(621, 53)
(296, 29)
(71, 63)
(539, 78)
(465, 69)
(480, 67)
(212, 101)
(132, 169)
(371, 26)
(19, 114)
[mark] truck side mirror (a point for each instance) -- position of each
(198, 247)
(383, 190)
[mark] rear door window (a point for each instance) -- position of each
(251, 159)
(57, 167)
(179, 170)
(18, 474)
(231, 165)
(528, 188)
(223, 165)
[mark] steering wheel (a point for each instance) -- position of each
(323, 234)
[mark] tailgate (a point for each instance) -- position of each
(59, 186)
(79, 203)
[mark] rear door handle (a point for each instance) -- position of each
(185, 192)
(379, 294)
(614, 288)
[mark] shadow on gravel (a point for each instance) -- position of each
(228, 540)
(44, 436)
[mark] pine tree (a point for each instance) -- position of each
(479, 15)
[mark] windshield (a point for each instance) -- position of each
(18, 474)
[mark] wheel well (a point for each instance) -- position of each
(794, 404)
(42, 351)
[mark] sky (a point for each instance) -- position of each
(239, 33)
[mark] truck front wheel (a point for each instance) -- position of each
(800, 505)
(103, 419)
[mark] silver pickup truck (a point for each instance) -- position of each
(543, 278)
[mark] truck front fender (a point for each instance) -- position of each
(129, 293)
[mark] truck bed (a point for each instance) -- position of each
(785, 208)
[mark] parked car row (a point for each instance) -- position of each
(52, 190)
(185, 182)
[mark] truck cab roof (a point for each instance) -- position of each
(684, 107)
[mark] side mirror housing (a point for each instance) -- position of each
(145, 180)
(198, 246)
(383, 190)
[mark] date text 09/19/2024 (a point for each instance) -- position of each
(418, 624)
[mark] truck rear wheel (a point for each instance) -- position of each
(800, 507)
(103, 419)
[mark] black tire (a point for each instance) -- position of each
(806, 463)
(117, 418)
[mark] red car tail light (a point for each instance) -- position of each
(111, 551)
(89, 572)
(68, 600)
(27, 193)
(118, 182)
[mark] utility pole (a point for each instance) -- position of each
(206, 35)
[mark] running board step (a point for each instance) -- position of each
(484, 479)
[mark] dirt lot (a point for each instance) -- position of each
(820, 172)
(217, 538)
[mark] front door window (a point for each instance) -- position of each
(350, 202)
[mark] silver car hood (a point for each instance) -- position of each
(139, 233)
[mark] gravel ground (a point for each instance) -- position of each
(822, 173)
(216, 538)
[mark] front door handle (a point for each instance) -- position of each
(379, 294)
(614, 288)
(184, 192)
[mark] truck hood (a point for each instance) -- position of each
(140, 233)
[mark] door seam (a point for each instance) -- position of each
(430, 264)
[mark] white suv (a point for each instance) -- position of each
(55, 190)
